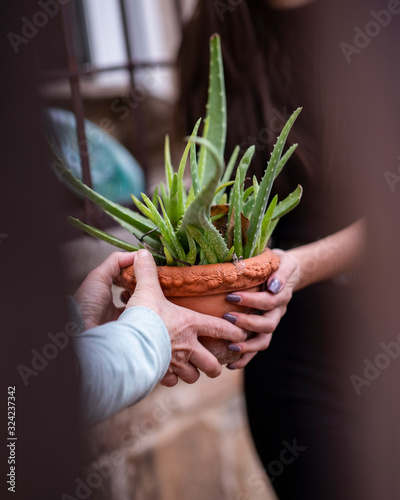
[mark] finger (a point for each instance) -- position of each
(188, 373)
(264, 323)
(112, 266)
(209, 326)
(169, 380)
(260, 300)
(242, 362)
(146, 276)
(205, 361)
(258, 343)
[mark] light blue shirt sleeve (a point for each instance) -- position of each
(120, 362)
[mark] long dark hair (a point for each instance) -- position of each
(259, 77)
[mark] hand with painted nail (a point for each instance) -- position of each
(271, 303)
(184, 326)
(94, 296)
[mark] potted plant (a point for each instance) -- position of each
(205, 241)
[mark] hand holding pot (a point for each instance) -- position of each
(184, 326)
(94, 296)
(271, 303)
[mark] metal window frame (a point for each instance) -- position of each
(74, 72)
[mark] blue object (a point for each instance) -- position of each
(115, 173)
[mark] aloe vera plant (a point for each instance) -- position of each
(203, 225)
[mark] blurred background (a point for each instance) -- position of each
(113, 63)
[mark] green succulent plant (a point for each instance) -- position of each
(204, 225)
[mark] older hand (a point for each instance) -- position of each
(94, 296)
(184, 326)
(272, 305)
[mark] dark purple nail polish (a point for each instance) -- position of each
(230, 317)
(234, 348)
(274, 285)
(233, 298)
(231, 367)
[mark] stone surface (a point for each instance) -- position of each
(187, 442)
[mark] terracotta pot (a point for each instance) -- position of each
(204, 288)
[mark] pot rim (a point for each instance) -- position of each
(209, 279)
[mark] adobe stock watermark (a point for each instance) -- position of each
(136, 435)
(30, 27)
(3, 236)
(223, 6)
(373, 28)
(101, 469)
(392, 178)
(373, 369)
(42, 357)
(275, 468)
(267, 135)
(122, 107)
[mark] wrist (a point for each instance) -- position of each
(298, 275)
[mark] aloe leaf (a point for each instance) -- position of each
(173, 237)
(227, 175)
(203, 151)
(261, 201)
(229, 255)
(192, 254)
(168, 256)
(263, 240)
(285, 158)
(239, 179)
(198, 213)
(248, 207)
(216, 105)
(288, 204)
(231, 165)
(236, 205)
(155, 197)
(204, 244)
(194, 172)
(165, 227)
(220, 188)
(101, 235)
(256, 186)
(152, 212)
(142, 208)
(224, 199)
(174, 213)
(124, 216)
(181, 191)
(169, 171)
(271, 229)
(164, 196)
(215, 123)
(247, 193)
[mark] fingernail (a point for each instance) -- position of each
(234, 348)
(230, 317)
(231, 367)
(140, 254)
(274, 285)
(233, 298)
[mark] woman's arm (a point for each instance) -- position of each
(336, 254)
(318, 261)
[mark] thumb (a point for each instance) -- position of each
(278, 279)
(147, 289)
